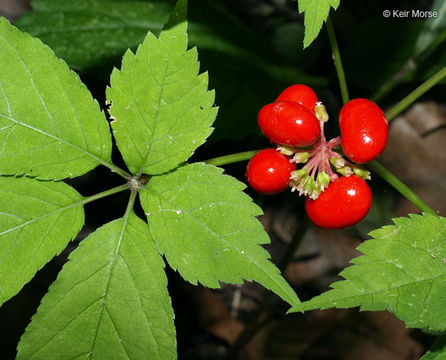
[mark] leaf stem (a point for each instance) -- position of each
(402, 188)
(115, 257)
(257, 320)
(375, 165)
(420, 90)
(337, 60)
(104, 194)
(117, 170)
(130, 205)
(232, 158)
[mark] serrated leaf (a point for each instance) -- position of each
(437, 350)
(316, 13)
(86, 32)
(403, 270)
(109, 302)
(50, 127)
(37, 220)
(204, 224)
(244, 68)
(161, 105)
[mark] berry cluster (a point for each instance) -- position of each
(336, 193)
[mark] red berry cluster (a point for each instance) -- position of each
(295, 123)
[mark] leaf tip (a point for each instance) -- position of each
(297, 308)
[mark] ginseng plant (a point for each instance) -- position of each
(110, 300)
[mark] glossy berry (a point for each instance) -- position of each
(345, 202)
(364, 130)
(289, 123)
(301, 94)
(269, 171)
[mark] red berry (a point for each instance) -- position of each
(289, 123)
(364, 130)
(269, 171)
(345, 202)
(301, 94)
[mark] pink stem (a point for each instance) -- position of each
(334, 142)
(323, 140)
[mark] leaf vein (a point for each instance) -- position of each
(117, 333)
(169, 59)
(222, 239)
(140, 302)
(58, 331)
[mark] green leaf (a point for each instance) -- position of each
(246, 71)
(316, 13)
(403, 270)
(50, 127)
(437, 350)
(86, 32)
(37, 220)
(162, 108)
(110, 301)
(204, 224)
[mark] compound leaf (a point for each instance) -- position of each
(403, 270)
(437, 350)
(110, 301)
(316, 13)
(161, 105)
(50, 126)
(86, 32)
(204, 224)
(37, 220)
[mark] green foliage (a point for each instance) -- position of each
(437, 351)
(242, 66)
(86, 32)
(37, 220)
(185, 210)
(403, 270)
(160, 121)
(110, 301)
(50, 127)
(316, 13)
